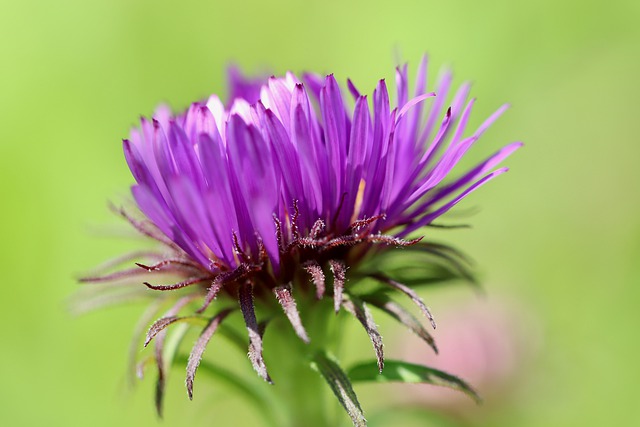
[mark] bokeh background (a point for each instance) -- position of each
(556, 240)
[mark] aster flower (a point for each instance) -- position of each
(289, 195)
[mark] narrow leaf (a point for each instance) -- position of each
(245, 296)
(164, 356)
(359, 309)
(201, 345)
(339, 269)
(409, 292)
(142, 365)
(164, 322)
(85, 302)
(168, 264)
(339, 382)
(168, 352)
(317, 276)
(179, 285)
(145, 227)
(134, 347)
(398, 371)
(230, 276)
(212, 293)
(386, 304)
(285, 298)
(118, 275)
(392, 240)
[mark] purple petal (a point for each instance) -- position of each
(242, 87)
(414, 101)
(430, 217)
(314, 162)
(277, 97)
(492, 118)
(476, 172)
(335, 126)
(442, 89)
(352, 89)
(357, 157)
(402, 85)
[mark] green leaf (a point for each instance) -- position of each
(398, 371)
(339, 382)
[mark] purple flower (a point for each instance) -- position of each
(290, 184)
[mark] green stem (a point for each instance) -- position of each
(300, 389)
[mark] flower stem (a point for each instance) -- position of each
(300, 389)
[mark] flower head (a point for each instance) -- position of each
(289, 185)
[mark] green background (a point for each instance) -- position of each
(560, 232)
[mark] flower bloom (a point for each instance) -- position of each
(288, 185)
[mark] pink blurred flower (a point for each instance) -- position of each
(486, 342)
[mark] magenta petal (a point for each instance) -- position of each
(215, 172)
(430, 217)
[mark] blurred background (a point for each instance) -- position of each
(556, 240)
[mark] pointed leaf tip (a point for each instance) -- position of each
(339, 269)
(245, 296)
(317, 276)
(410, 293)
(399, 371)
(201, 344)
(341, 386)
(157, 327)
(385, 304)
(288, 303)
(359, 309)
